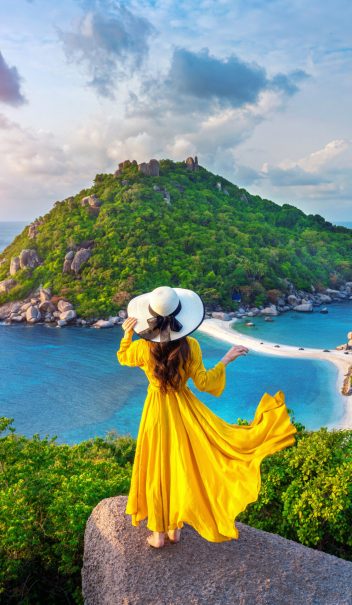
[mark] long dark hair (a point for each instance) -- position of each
(168, 356)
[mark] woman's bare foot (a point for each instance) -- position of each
(174, 535)
(156, 539)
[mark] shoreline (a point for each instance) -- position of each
(221, 330)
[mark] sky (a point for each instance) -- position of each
(259, 90)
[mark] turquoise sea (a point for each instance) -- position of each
(67, 382)
(303, 329)
(8, 230)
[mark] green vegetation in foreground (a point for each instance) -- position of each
(48, 490)
(206, 239)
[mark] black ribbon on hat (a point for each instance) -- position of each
(162, 324)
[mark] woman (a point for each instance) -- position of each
(191, 466)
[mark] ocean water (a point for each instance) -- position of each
(9, 230)
(303, 329)
(344, 224)
(67, 382)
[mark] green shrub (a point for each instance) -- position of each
(306, 492)
(47, 492)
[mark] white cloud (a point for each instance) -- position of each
(109, 44)
(35, 171)
(315, 181)
(161, 111)
(317, 159)
(49, 167)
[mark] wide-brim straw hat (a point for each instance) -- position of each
(166, 314)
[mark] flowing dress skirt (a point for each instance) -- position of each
(192, 467)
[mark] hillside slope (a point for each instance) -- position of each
(185, 227)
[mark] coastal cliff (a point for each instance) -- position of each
(175, 222)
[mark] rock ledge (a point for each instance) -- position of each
(258, 569)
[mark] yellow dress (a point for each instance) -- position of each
(191, 466)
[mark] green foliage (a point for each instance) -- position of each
(47, 492)
(204, 239)
(306, 492)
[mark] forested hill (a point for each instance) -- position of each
(171, 223)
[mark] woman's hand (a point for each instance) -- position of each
(233, 353)
(128, 325)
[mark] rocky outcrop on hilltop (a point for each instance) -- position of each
(123, 165)
(192, 164)
(259, 568)
(150, 168)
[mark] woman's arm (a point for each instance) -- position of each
(233, 353)
(129, 353)
(212, 381)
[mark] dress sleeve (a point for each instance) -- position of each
(212, 381)
(130, 352)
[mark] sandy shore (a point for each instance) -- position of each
(223, 331)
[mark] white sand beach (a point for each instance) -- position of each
(222, 330)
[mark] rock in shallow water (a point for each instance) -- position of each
(64, 305)
(103, 323)
(33, 314)
(304, 307)
(68, 315)
(221, 315)
(272, 310)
